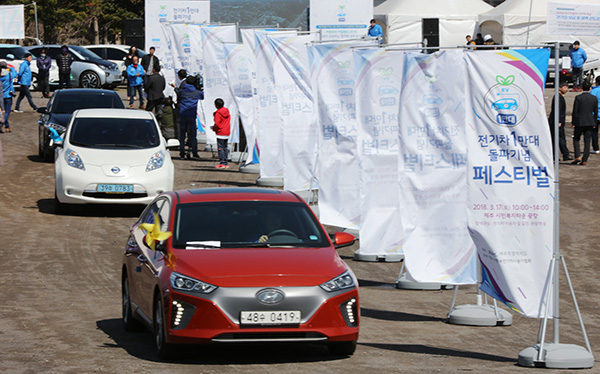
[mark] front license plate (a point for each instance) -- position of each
(115, 188)
(270, 318)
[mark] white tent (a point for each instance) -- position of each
(507, 23)
(454, 18)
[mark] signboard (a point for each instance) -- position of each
(12, 22)
(341, 19)
(573, 19)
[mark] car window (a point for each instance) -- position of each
(115, 54)
(114, 133)
(18, 52)
(67, 103)
(162, 207)
(244, 223)
(100, 51)
(85, 53)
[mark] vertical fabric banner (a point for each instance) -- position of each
(216, 84)
(184, 50)
(294, 97)
(378, 76)
(433, 170)
(239, 70)
(332, 72)
(511, 177)
(12, 22)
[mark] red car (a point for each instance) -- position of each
(238, 265)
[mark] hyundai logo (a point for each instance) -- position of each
(115, 169)
(270, 296)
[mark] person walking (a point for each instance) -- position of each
(562, 113)
(7, 76)
(222, 128)
(64, 61)
(585, 115)
(188, 96)
(578, 58)
(44, 63)
(24, 80)
(135, 74)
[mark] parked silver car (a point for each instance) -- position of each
(116, 53)
(88, 69)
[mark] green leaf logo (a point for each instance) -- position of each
(505, 81)
(385, 72)
(343, 64)
(430, 78)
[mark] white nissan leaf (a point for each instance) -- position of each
(112, 156)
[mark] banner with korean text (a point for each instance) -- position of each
(510, 175)
(294, 97)
(433, 170)
(12, 22)
(184, 52)
(341, 19)
(573, 19)
(378, 77)
(332, 72)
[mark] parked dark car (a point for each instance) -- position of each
(60, 108)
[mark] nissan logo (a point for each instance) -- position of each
(270, 296)
(115, 170)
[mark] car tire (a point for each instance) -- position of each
(60, 208)
(129, 322)
(163, 349)
(342, 348)
(34, 82)
(89, 79)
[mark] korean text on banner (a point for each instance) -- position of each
(184, 51)
(12, 22)
(511, 177)
(433, 170)
(378, 76)
(341, 19)
(573, 19)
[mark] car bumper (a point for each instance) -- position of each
(113, 78)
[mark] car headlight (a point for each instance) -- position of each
(73, 159)
(182, 283)
(156, 161)
(105, 68)
(59, 128)
(339, 283)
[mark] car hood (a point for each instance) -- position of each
(108, 158)
(260, 267)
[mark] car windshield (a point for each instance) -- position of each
(242, 224)
(17, 51)
(85, 53)
(67, 103)
(113, 133)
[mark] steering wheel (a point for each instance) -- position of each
(281, 232)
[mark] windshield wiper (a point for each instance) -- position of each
(203, 244)
(119, 145)
(80, 144)
(245, 245)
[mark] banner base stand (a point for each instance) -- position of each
(250, 168)
(404, 284)
(479, 315)
(310, 196)
(201, 137)
(269, 182)
(236, 156)
(557, 356)
(377, 258)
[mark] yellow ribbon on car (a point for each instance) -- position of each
(153, 233)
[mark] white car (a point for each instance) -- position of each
(112, 156)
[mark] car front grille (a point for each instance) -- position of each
(269, 337)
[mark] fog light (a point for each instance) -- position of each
(349, 310)
(181, 314)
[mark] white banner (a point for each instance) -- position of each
(184, 50)
(378, 76)
(573, 19)
(433, 170)
(511, 177)
(216, 84)
(332, 70)
(294, 97)
(341, 19)
(12, 22)
(239, 71)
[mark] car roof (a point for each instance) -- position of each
(113, 113)
(234, 194)
(10, 46)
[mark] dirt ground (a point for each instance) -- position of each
(61, 303)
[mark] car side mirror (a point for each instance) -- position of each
(172, 144)
(42, 110)
(343, 239)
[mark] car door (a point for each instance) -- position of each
(149, 262)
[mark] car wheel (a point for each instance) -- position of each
(129, 322)
(164, 349)
(60, 208)
(342, 348)
(41, 142)
(34, 82)
(89, 79)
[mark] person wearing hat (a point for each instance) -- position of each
(7, 76)
(24, 78)
(487, 40)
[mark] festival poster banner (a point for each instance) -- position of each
(573, 19)
(297, 118)
(12, 22)
(332, 73)
(432, 168)
(341, 19)
(216, 84)
(511, 177)
(378, 77)
(183, 50)
(239, 70)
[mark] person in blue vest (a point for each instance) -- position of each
(24, 79)
(578, 58)
(376, 31)
(7, 75)
(135, 73)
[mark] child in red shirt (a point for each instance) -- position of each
(222, 129)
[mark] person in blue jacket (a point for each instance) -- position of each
(135, 74)
(188, 95)
(376, 31)
(24, 80)
(7, 75)
(578, 58)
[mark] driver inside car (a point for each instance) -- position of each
(271, 222)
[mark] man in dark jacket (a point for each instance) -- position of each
(154, 87)
(44, 62)
(562, 108)
(585, 112)
(188, 96)
(64, 61)
(149, 61)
